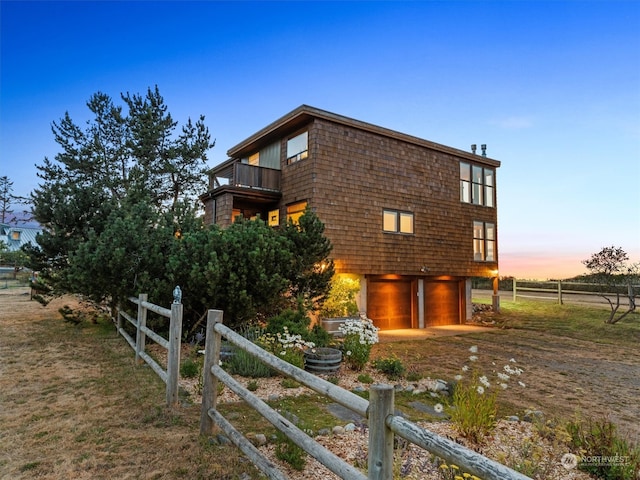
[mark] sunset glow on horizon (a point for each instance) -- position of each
(548, 266)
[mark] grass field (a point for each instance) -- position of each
(74, 405)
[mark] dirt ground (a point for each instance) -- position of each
(564, 376)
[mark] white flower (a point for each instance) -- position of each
(348, 352)
(503, 386)
(438, 408)
(483, 380)
(503, 376)
(473, 358)
(465, 368)
(522, 384)
(480, 389)
(512, 360)
(473, 349)
(283, 353)
(458, 377)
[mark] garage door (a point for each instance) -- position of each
(441, 303)
(389, 303)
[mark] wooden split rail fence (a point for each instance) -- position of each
(169, 376)
(383, 424)
(560, 290)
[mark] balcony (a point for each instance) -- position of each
(242, 175)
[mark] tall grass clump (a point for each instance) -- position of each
(474, 407)
(602, 451)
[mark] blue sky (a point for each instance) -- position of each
(553, 89)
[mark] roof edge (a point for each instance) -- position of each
(303, 112)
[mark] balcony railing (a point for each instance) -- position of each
(247, 176)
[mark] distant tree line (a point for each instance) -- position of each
(121, 216)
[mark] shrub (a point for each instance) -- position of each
(189, 368)
(392, 367)
(598, 438)
(295, 322)
(288, 347)
(341, 300)
(365, 378)
(319, 336)
(252, 386)
(246, 365)
(359, 336)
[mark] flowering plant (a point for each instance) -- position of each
(474, 398)
(288, 347)
(359, 336)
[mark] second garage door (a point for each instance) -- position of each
(441, 303)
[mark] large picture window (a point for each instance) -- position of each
(298, 148)
(484, 242)
(394, 221)
(477, 185)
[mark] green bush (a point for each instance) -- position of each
(599, 438)
(392, 367)
(189, 368)
(246, 365)
(341, 300)
(319, 336)
(296, 322)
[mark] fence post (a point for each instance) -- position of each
(515, 289)
(173, 354)
(118, 320)
(559, 292)
(381, 405)
(212, 345)
(141, 321)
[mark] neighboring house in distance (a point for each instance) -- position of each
(413, 220)
(15, 236)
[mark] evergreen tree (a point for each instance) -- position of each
(102, 173)
(311, 268)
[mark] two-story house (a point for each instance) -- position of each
(413, 220)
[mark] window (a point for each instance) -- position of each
(274, 218)
(15, 235)
(477, 185)
(295, 211)
(484, 242)
(268, 157)
(297, 148)
(394, 221)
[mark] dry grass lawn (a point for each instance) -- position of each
(74, 406)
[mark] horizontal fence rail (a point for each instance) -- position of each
(561, 291)
(383, 424)
(170, 376)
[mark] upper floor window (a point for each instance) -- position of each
(484, 242)
(298, 148)
(268, 157)
(295, 211)
(15, 235)
(477, 184)
(394, 221)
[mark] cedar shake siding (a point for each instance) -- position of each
(351, 172)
